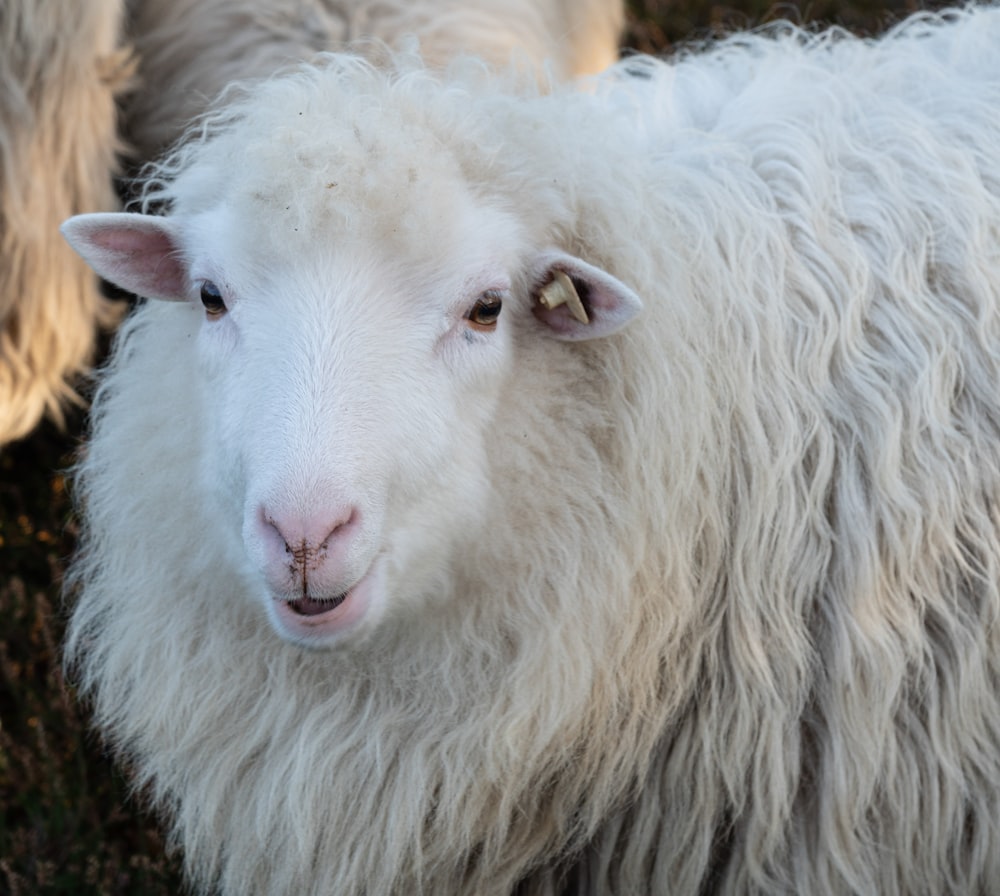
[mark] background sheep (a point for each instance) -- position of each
(707, 604)
(61, 72)
(189, 50)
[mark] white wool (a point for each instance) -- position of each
(707, 605)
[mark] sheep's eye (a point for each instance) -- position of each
(485, 313)
(211, 298)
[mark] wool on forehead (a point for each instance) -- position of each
(337, 135)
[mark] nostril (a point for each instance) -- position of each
(304, 537)
(341, 527)
(313, 550)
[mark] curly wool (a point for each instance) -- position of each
(729, 619)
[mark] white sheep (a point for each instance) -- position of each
(398, 576)
(64, 65)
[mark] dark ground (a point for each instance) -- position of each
(67, 825)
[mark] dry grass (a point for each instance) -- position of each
(67, 823)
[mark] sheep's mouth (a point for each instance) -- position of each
(315, 621)
(310, 606)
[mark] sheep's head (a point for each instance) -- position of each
(352, 359)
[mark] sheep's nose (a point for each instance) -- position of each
(308, 555)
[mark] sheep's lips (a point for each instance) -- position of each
(316, 620)
(309, 606)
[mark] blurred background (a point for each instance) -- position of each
(68, 821)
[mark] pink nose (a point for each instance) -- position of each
(308, 556)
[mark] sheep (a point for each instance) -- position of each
(64, 66)
(61, 69)
(399, 576)
(190, 50)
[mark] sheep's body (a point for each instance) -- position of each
(190, 49)
(708, 605)
(62, 67)
(60, 71)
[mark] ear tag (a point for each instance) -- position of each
(561, 291)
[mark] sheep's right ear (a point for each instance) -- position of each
(138, 253)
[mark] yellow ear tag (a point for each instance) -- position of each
(561, 291)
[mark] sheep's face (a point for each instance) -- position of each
(352, 360)
(352, 381)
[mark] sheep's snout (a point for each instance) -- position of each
(305, 555)
(317, 569)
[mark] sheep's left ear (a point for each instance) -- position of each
(577, 301)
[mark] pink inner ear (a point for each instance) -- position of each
(147, 261)
(137, 253)
(559, 320)
(609, 303)
(134, 242)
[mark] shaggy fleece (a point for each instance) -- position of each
(60, 71)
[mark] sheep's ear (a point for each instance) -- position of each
(139, 253)
(577, 301)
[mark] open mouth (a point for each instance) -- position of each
(318, 622)
(308, 606)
